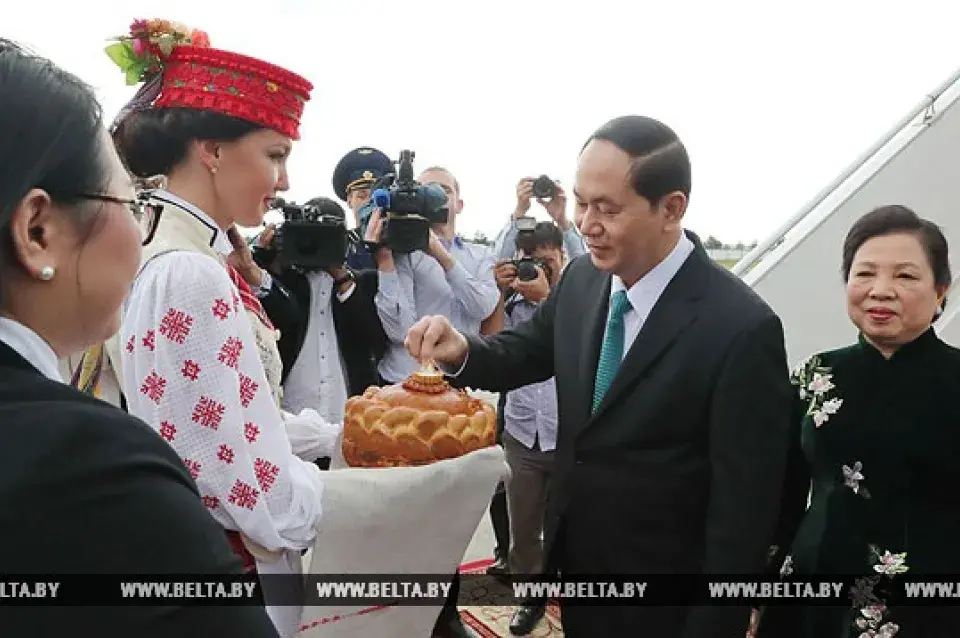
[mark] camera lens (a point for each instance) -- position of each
(526, 271)
(544, 188)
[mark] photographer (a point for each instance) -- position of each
(530, 412)
(552, 197)
(330, 335)
(452, 277)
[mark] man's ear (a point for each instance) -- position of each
(673, 206)
(35, 229)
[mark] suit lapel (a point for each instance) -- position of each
(672, 314)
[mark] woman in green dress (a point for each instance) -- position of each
(878, 441)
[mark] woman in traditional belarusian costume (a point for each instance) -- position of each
(220, 126)
(878, 440)
(85, 489)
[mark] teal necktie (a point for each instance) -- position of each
(611, 354)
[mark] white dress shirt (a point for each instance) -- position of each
(29, 345)
(317, 379)
(644, 294)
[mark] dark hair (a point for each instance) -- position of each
(545, 235)
(660, 162)
(51, 137)
(328, 206)
(153, 141)
(894, 219)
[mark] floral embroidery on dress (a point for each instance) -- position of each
(872, 621)
(787, 568)
(852, 475)
(814, 383)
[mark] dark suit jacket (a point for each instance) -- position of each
(360, 336)
(87, 489)
(679, 470)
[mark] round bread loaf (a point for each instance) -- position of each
(416, 422)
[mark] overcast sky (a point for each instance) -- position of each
(772, 99)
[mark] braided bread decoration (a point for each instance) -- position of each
(417, 422)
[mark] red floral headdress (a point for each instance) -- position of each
(180, 69)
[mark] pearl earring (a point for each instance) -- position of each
(47, 273)
(213, 169)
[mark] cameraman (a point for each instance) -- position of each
(530, 414)
(453, 278)
(330, 335)
(354, 177)
(556, 207)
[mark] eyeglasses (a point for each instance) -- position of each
(146, 214)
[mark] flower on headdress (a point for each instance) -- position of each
(140, 54)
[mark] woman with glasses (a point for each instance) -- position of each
(84, 488)
(219, 126)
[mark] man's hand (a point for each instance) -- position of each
(383, 256)
(437, 250)
(435, 339)
(535, 290)
(557, 207)
(524, 194)
(242, 259)
(505, 274)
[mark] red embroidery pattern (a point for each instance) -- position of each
(130, 344)
(190, 370)
(153, 387)
(193, 467)
(236, 301)
(221, 309)
(168, 430)
(225, 454)
(243, 495)
(149, 341)
(230, 352)
(251, 432)
(208, 413)
(248, 390)
(266, 473)
(211, 502)
(176, 325)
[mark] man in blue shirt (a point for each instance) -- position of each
(453, 278)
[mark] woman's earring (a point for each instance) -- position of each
(213, 170)
(47, 273)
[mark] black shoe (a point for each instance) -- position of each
(499, 569)
(526, 618)
(449, 625)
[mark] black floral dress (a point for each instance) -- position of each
(879, 442)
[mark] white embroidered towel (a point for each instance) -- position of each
(416, 520)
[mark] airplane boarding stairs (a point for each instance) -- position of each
(797, 269)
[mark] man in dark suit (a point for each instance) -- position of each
(330, 335)
(673, 390)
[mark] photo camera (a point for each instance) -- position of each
(408, 207)
(527, 268)
(544, 188)
(310, 238)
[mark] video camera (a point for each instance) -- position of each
(409, 208)
(310, 238)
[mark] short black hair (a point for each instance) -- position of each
(894, 219)
(154, 141)
(328, 206)
(51, 138)
(660, 161)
